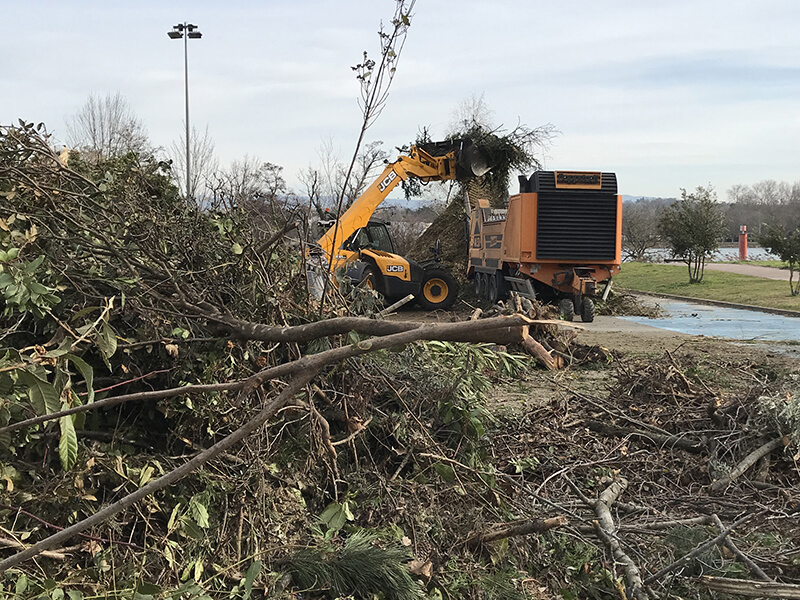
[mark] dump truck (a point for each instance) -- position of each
(559, 238)
(362, 247)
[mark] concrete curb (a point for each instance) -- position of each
(772, 311)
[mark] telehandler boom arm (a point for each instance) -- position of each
(438, 161)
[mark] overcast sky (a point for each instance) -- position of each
(668, 94)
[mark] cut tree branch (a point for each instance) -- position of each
(523, 528)
(748, 461)
(173, 476)
(606, 531)
(752, 589)
(701, 548)
(485, 330)
(662, 441)
(728, 542)
(303, 370)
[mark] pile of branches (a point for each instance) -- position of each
(673, 481)
(146, 336)
(119, 227)
(169, 391)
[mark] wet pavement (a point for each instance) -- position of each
(716, 321)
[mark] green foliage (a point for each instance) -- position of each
(361, 569)
(693, 227)
(21, 280)
(787, 246)
(470, 370)
(68, 444)
(337, 514)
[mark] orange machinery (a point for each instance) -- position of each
(558, 239)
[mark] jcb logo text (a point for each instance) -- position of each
(387, 180)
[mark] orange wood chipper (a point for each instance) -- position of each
(558, 239)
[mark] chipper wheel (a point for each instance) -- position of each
(587, 310)
(567, 309)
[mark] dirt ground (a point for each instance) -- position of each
(626, 341)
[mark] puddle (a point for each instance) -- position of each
(716, 321)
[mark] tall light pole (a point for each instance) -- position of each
(186, 31)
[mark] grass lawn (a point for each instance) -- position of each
(716, 285)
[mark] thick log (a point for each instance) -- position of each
(537, 350)
(245, 330)
(505, 329)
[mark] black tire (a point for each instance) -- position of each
(481, 285)
(476, 284)
(438, 291)
(492, 291)
(502, 287)
(371, 279)
(587, 310)
(567, 309)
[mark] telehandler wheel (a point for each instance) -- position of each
(439, 290)
(587, 310)
(567, 309)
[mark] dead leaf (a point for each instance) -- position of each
(405, 541)
(172, 350)
(92, 547)
(421, 568)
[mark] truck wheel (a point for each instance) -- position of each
(587, 310)
(567, 309)
(481, 286)
(439, 290)
(476, 284)
(492, 293)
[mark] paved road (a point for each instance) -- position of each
(752, 270)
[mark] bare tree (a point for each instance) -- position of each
(471, 112)
(325, 184)
(640, 228)
(107, 128)
(311, 178)
(250, 184)
(368, 161)
(204, 163)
